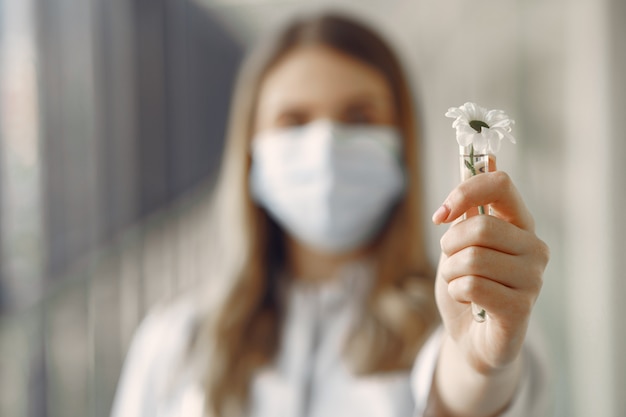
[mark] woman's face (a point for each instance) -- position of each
(318, 82)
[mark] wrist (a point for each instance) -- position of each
(467, 389)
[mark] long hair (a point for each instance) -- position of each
(400, 310)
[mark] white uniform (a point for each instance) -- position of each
(309, 377)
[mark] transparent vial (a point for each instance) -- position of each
(471, 163)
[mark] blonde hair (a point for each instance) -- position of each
(400, 310)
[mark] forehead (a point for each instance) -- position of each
(321, 74)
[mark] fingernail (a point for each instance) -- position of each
(441, 214)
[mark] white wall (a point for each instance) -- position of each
(594, 195)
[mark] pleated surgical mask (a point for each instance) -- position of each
(330, 186)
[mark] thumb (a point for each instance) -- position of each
(495, 189)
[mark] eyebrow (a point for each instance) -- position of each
(367, 98)
(362, 99)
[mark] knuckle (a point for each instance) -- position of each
(482, 228)
(470, 261)
(462, 193)
(470, 286)
(503, 183)
(538, 261)
(443, 244)
(502, 180)
(544, 252)
(444, 272)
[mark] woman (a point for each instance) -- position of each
(330, 298)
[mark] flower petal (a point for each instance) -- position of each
(507, 135)
(460, 121)
(465, 128)
(490, 138)
(501, 123)
(464, 138)
(473, 111)
(493, 139)
(454, 112)
(480, 142)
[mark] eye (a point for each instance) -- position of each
(292, 119)
(359, 114)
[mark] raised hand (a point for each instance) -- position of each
(494, 261)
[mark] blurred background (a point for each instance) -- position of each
(112, 115)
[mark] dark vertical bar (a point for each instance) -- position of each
(202, 59)
(38, 377)
(38, 370)
(52, 133)
(118, 149)
(152, 123)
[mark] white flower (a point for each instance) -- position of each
(482, 128)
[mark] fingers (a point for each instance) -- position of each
(487, 247)
(494, 261)
(494, 189)
(487, 231)
(484, 251)
(498, 300)
(511, 271)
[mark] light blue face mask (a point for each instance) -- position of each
(327, 185)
